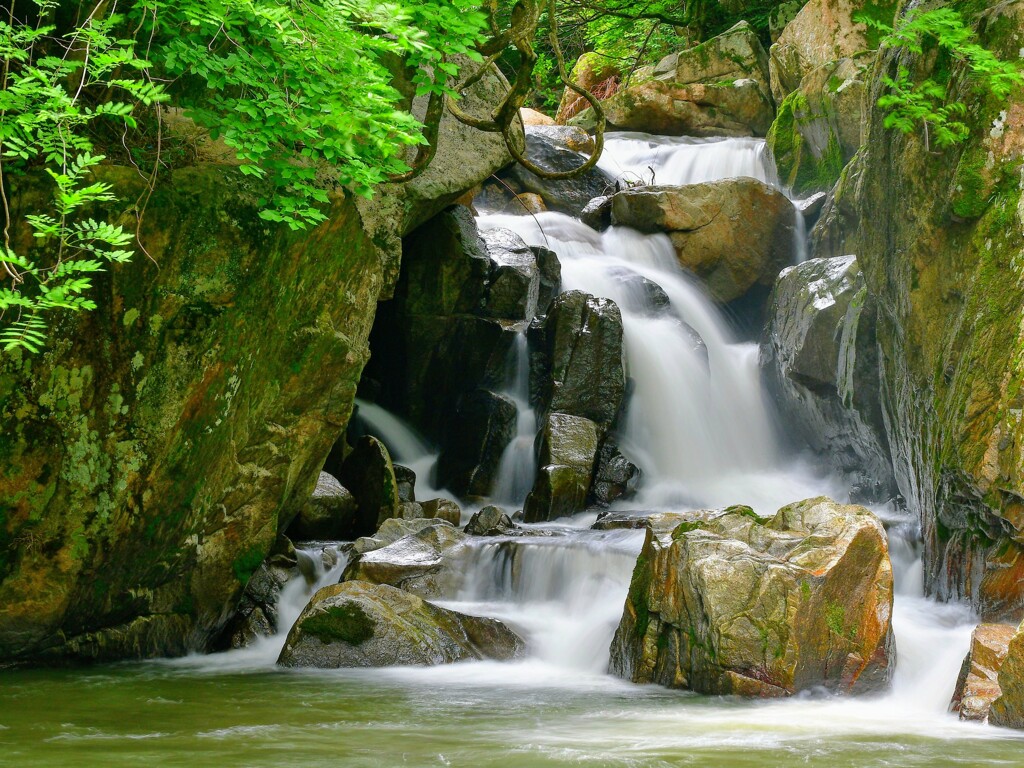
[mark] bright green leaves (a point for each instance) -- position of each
(909, 104)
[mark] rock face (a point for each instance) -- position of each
(820, 358)
(417, 556)
(568, 452)
(329, 514)
(733, 234)
(549, 149)
(484, 425)
(1008, 709)
(720, 87)
(946, 275)
(978, 684)
(356, 624)
(151, 456)
(729, 603)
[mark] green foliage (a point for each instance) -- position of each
(48, 115)
(909, 103)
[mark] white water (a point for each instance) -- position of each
(518, 466)
(703, 432)
(404, 445)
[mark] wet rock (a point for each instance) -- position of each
(615, 476)
(514, 276)
(410, 510)
(812, 206)
(720, 87)
(329, 514)
(369, 474)
(730, 603)
(525, 203)
(484, 425)
(531, 117)
(568, 452)
(550, 277)
(735, 234)
(597, 214)
(978, 685)
(424, 560)
(490, 521)
(662, 523)
(569, 137)
(356, 624)
(820, 359)
(406, 480)
(442, 509)
(642, 295)
(1008, 710)
(567, 195)
(576, 359)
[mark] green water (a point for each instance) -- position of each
(471, 715)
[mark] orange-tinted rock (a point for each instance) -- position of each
(978, 685)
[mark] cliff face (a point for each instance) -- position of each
(940, 235)
(151, 454)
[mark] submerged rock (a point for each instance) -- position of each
(820, 359)
(731, 603)
(356, 624)
(978, 685)
(369, 474)
(720, 87)
(420, 560)
(330, 513)
(734, 234)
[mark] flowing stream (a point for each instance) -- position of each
(700, 426)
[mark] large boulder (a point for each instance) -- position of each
(514, 277)
(720, 87)
(820, 359)
(547, 149)
(593, 72)
(484, 424)
(567, 457)
(576, 364)
(730, 603)
(734, 234)
(422, 561)
(978, 684)
(1008, 709)
(330, 513)
(370, 476)
(941, 258)
(356, 624)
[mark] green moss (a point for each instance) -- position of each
(805, 589)
(799, 167)
(745, 511)
(638, 594)
(245, 565)
(971, 185)
(835, 617)
(684, 528)
(346, 623)
(884, 12)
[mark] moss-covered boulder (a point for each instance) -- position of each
(731, 603)
(734, 234)
(820, 359)
(1008, 709)
(567, 458)
(978, 684)
(356, 624)
(942, 259)
(591, 71)
(720, 87)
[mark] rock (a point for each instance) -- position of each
(442, 509)
(550, 277)
(484, 425)
(406, 480)
(720, 87)
(820, 360)
(410, 510)
(615, 476)
(597, 214)
(330, 513)
(374, 625)
(662, 523)
(391, 531)
(812, 206)
(525, 203)
(514, 277)
(370, 476)
(532, 117)
(576, 359)
(569, 137)
(568, 452)
(978, 685)
(642, 294)
(734, 234)
(550, 154)
(593, 72)
(424, 561)
(1008, 710)
(490, 521)
(939, 257)
(730, 603)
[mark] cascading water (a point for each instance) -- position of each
(518, 466)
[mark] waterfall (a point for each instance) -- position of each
(404, 445)
(518, 464)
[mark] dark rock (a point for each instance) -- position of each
(356, 624)
(370, 476)
(442, 509)
(514, 277)
(576, 364)
(615, 477)
(597, 214)
(490, 521)
(820, 360)
(642, 295)
(550, 277)
(406, 480)
(568, 451)
(569, 195)
(330, 514)
(484, 424)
